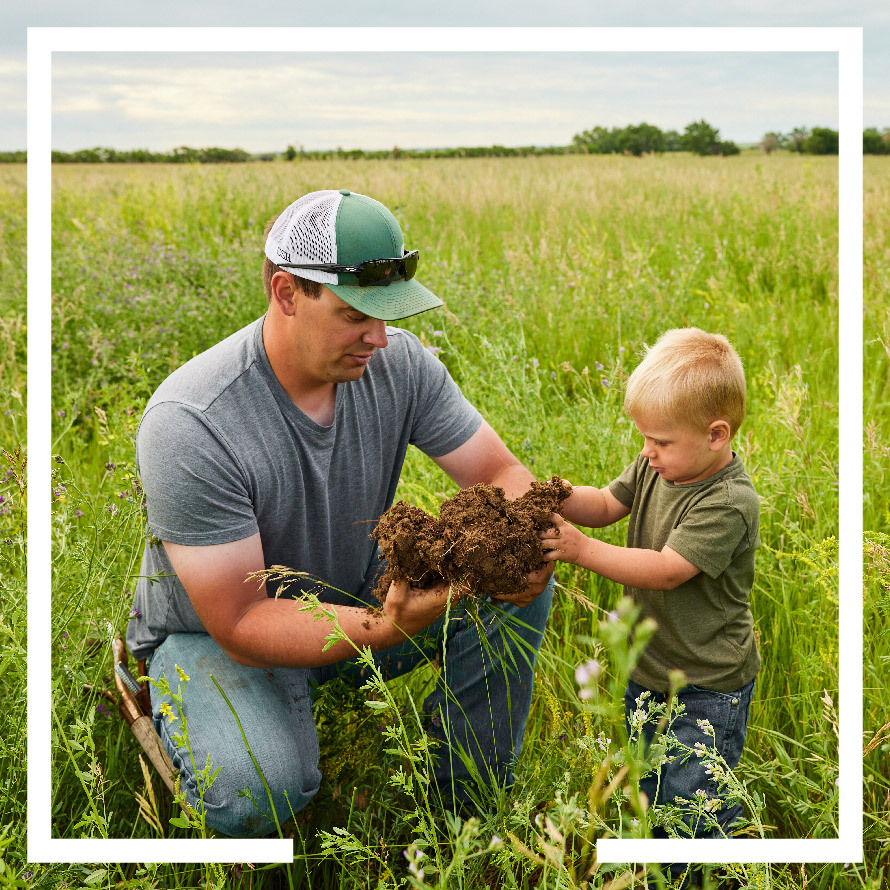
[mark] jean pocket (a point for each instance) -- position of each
(727, 712)
(734, 698)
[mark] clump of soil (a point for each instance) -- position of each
(479, 538)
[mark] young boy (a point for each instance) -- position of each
(689, 559)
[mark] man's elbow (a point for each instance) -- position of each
(237, 652)
(236, 642)
(243, 658)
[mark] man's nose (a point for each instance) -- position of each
(376, 334)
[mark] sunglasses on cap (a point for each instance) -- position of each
(370, 272)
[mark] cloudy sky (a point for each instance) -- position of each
(438, 97)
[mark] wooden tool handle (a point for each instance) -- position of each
(143, 729)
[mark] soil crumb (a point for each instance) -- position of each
(479, 538)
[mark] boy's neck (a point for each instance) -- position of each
(722, 460)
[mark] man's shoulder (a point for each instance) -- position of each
(201, 380)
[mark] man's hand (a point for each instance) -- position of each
(411, 610)
(563, 541)
(537, 582)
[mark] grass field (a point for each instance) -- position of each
(555, 272)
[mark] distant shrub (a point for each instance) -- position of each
(821, 141)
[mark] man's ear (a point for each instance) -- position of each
(720, 434)
(284, 292)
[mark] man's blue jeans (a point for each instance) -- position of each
(484, 708)
(727, 713)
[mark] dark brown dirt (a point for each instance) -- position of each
(479, 538)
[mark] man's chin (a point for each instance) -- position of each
(347, 375)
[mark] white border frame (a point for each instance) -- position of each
(846, 42)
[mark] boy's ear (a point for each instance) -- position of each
(720, 434)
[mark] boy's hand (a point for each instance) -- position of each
(562, 541)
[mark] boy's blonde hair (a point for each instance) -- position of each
(689, 376)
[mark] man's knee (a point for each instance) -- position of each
(274, 716)
(237, 803)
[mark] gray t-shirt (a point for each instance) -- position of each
(224, 453)
(705, 626)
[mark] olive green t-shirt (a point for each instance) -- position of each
(705, 626)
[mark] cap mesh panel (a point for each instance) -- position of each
(306, 230)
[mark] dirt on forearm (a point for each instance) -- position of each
(480, 539)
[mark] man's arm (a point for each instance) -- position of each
(632, 566)
(485, 458)
(258, 631)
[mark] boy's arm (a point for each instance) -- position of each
(631, 566)
(593, 507)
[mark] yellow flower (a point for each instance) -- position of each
(182, 674)
(167, 711)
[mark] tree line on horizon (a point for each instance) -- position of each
(699, 138)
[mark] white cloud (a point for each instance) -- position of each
(12, 67)
(872, 15)
(876, 112)
(424, 100)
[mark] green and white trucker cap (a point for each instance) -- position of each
(341, 228)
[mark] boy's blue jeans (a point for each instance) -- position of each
(728, 714)
(484, 708)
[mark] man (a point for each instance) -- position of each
(280, 446)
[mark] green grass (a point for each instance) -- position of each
(555, 273)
